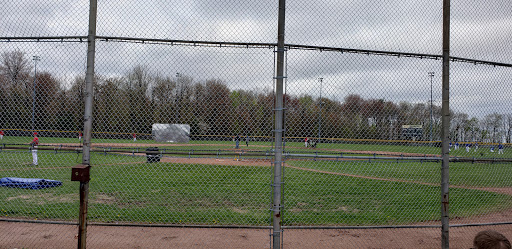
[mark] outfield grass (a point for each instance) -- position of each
(406, 148)
(192, 145)
(461, 174)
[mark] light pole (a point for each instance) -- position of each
(35, 58)
(320, 112)
(178, 76)
(431, 74)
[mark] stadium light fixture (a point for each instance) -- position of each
(320, 112)
(176, 111)
(35, 58)
(431, 75)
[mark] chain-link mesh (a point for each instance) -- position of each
(479, 98)
(184, 129)
(373, 25)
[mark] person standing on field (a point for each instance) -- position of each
(247, 140)
(34, 144)
(237, 141)
(79, 136)
(134, 137)
(1, 134)
(306, 141)
(476, 146)
(500, 149)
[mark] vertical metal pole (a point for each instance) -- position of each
(431, 74)
(445, 180)
(278, 159)
(89, 91)
(178, 77)
(320, 112)
(36, 59)
(34, 95)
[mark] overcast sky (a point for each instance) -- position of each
(479, 30)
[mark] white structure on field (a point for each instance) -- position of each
(172, 133)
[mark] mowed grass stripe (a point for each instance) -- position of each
(461, 174)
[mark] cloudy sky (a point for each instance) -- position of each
(479, 30)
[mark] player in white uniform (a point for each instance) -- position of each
(34, 144)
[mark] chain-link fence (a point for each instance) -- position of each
(207, 133)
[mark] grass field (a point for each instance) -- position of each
(126, 189)
(466, 174)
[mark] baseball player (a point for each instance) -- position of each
(500, 149)
(34, 144)
(247, 140)
(456, 145)
(237, 141)
(134, 137)
(306, 141)
(467, 147)
(476, 146)
(450, 147)
(79, 136)
(1, 134)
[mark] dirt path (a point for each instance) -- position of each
(31, 235)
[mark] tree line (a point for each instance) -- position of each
(131, 103)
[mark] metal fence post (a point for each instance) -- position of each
(89, 81)
(278, 159)
(445, 131)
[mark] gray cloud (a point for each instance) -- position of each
(479, 30)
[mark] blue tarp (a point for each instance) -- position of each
(31, 183)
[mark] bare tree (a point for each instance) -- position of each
(458, 123)
(492, 123)
(508, 125)
(14, 67)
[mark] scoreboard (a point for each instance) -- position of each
(412, 132)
